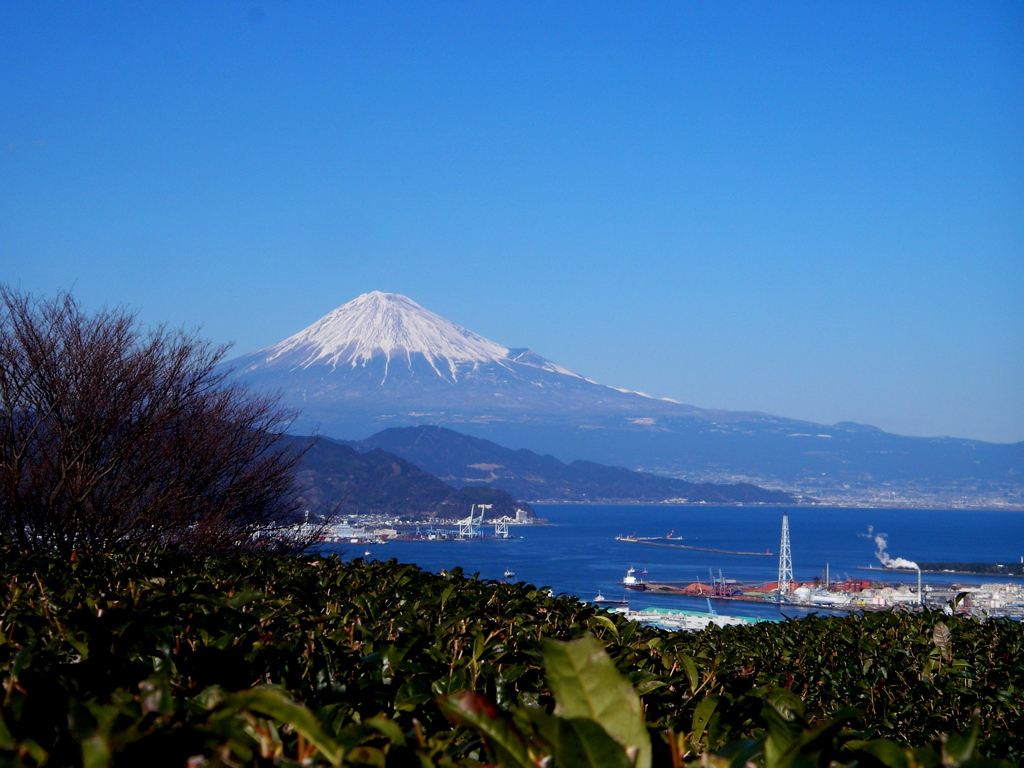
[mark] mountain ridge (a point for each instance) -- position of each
(465, 461)
(383, 361)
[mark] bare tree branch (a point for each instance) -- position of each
(112, 436)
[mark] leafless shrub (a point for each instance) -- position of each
(112, 436)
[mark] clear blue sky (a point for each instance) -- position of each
(810, 209)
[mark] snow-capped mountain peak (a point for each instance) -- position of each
(388, 325)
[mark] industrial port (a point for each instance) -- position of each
(460, 529)
(878, 593)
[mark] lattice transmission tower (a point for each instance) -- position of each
(785, 560)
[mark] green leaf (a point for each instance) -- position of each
(23, 659)
(690, 668)
(39, 755)
(245, 597)
(888, 753)
(411, 695)
(97, 751)
(701, 716)
(608, 624)
(786, 703)
(780, 741)
(78, 645)
(363, 755)
(959, 749)
(155, 695)
(6, 737)
(446, 594)
(928, 671)
(275, 703)
(501, 735)
(387, 728)
(649, 684)
(587, 685)
(211, 697)
(584, 743)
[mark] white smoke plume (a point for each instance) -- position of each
(891, 562)
(870, 534)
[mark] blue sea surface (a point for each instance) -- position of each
(577, 553)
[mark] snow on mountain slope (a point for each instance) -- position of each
(392, 328)
(388, 325)
(389, 343)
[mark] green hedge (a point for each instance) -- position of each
(159, 658)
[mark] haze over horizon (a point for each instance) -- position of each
(814, 211)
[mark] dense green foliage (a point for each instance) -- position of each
(153, 659)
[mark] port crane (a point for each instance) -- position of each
(501, 527)
(469, 528)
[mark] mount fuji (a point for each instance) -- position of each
(383, 361)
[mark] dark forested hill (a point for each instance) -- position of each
(334, 476)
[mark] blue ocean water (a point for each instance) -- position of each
(577, 553)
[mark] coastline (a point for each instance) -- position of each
(929, 507)
(941, 573)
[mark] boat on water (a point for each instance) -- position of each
(509, 573)
(632, 581)
(603, 601)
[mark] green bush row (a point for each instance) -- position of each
(167, 659)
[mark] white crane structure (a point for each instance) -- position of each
(470, 527)
(501, 527)
(785, 561)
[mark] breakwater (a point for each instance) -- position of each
(667, 543)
